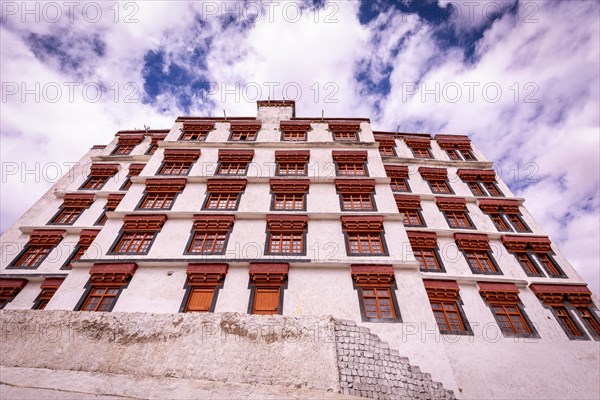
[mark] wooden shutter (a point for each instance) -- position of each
(266, 300)
(200, 299)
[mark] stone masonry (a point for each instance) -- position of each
(319, 354)
(369, 368)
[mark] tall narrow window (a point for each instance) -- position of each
(590, 320)
(437, 179)
(234, 162)
(161, 193)
(503, 300)
(196, 131)
(350, 163)
(139, 232)
(446, 306)
(291, 163)
(455, 212)
(376, 285)
(387, 144)
(420, 146)
(178, 162)
(289, 194)
(286, 234)
(477, 252)
(457, 147)
(202, 286)
(112, 203)
(48, 288)
(364, 235)
(425, 250)
(294, 131)
(210, 233)
(410, 208)
(267, 283)
(481, 182)
(224, 194)
(41, 242)
(99, 175)
(86, 237)
(356, 195)
(134, 170)
(567, 322)
(344, 131)
(398, 175)
(534, 254)
(106, 283)
(244, 130)
(73, 206)
(9, 289)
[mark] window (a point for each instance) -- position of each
(196, 130)
(425, 250)
(157, 137)
(210, 233)
(41, 243)
(106, 283)
(294, 131)
(73, 205)
(387, 151)
(122, 149)
(178, 162)
(399, 177)
(203, 284)
(511, 320)
(503, 300)
(364, 236)
(224, 194)
(446, 306)
(289, 194)
(126, 143)
(477, 252)
(481, 182)
(291, 201)
(590, 320)
(455, 212)
(86, 237)
(138, 234)
(504, 214)
(534, 254)
(565, 300)
(456, 146)
(291, 163)
(457, 219)
(286, 234)
(99, 175)
(112, 202)
(49, 287)
(350, 163)
(9, 289)
(447, 316)
(419, 146)
(161, 193)
(356, 195)
(134, 170)
(409, 207)
(375, 285)
(439, 187)
(344, 131)
(244, 130)
(436, 179)
(387, 144)
(267, 282)
(234, 162)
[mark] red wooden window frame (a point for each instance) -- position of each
(364, 235)
(203, 280)
(100, 298)
(178, 162)
(476, 250)
(480, 260)
(455, 212)
(345, 136)
(567, 321)
(291, 163)
(410, 207)
(421, 153)
(99, 175)
(590, 320)
(439, 187)
(73, 206)
(126, 143)
(457, 219)
(437, 179)
(158, 201)
(9, 289)
(377, 302)
(503, 299)
(175, 168)
(286, 234)
(538, 246)
(224, 194)
(291, 168)
(344, 131)
(95, 182)
(222, 201)
(289, 194)
(294, 131)
(134, 242)
(444, 300)
(357, 202)
(288, 201)
(48, 288)
(123, 149)
(244, 130)
(481, 182)
(232, 168)
(356, 194)
(528, 265)
(33, 256)
(376, 285)
(139, 232)
(399, 185)
(106, 283)
(398, 177)
(196, 130)
(424, 246)
(351, 169)
(234, 162)
(350, 163)
(210, 233)
(40, 244)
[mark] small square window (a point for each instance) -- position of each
(448, 317)
(351, 169)
(222, 201)
(357, 202)
(345, 136)
(134, 243)
(208, 242)
(67, 216)
(33, 256)
(439, 186)
(365, 244)
(511, 319)
(399, 185)
(457, 219)
(100, 299)
(123, 149)
(291, 168)
(421, 153)
(157, 201)
(480, 261)
(232, 168)
(95, 182)
(175, 168)
(288, 201)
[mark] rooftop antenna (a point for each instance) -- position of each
(397, 130)
(322, 114)
(269, 99)
(224, 114)
(146, 128)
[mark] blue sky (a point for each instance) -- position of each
(520, 77)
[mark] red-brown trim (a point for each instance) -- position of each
(236, 155)
(266, 274)
(372, 274)
(396, 171)
(578, 295)
(135, 169)
(247, 126)
(104, 169)
(353, 156)
(175, 185)
(206, 275)
(76, 200)
(433, 173)
(499, 292)
(422, 240)
(472, 175)
(52, 283)
(362, 223)
(213, 223)
(226, 185)
(294, 126)
(522, 243)
(292, 156)
(144, 222)
(344, 127)
(355, 185)
(113, 200)
(130, 139)
(417, 142)
(287, 223)
(493, 205)
(451, 203)
(113, 274)
(175, 155)
(10, 287)
(472, 241)
(409, 202)
(289, 185)
(441, 290)
(46, 237)
(87, 236)
(198, 126)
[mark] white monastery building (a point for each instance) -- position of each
(436, 280)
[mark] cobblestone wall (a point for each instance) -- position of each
(369, 368)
